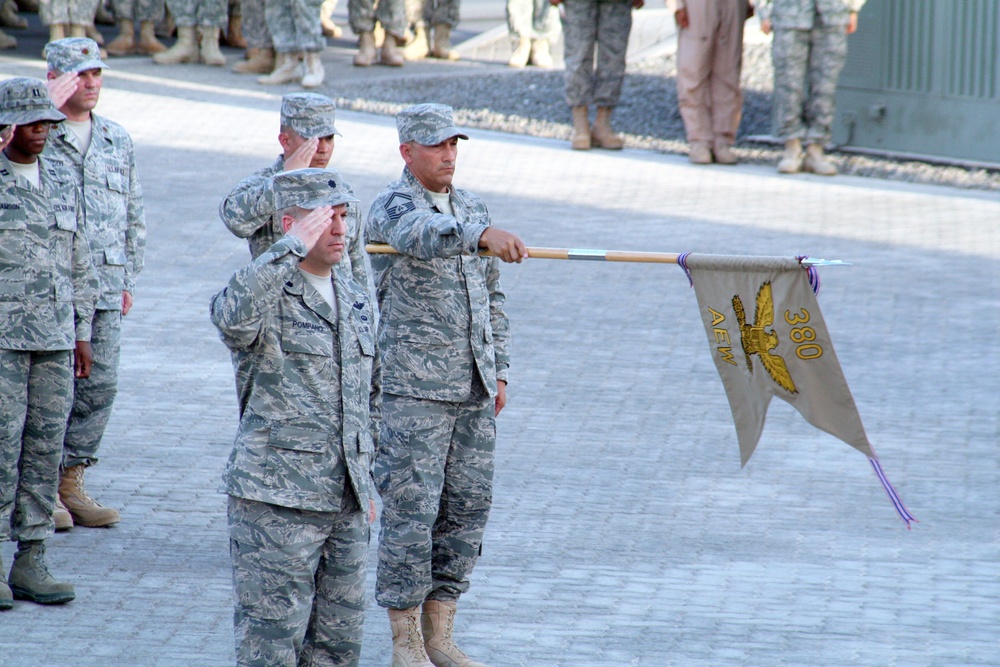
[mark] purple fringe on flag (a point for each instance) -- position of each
(813, 273)
(682, 262)
(901, 510)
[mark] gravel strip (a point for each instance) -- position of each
(530, 101)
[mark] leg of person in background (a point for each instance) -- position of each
(790, 56)
(418, 43)
(727, 63)
(614, 23)
(260, 50)
(580, 37)
(211, 16)
(185, 49)
(443, 15)
(826, 60)
(280, 18)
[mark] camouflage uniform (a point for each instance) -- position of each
(67, 12)
(444, 340)
(299, 476)
(115, 227)
(438, 12)
(531, 19)
(362, 15)
(47, 293)
(255, 30)
(294, 25)
(604, 25)
(138, 10)
(809, 51)
(208, 13)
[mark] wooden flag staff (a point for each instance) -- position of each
(602, 255)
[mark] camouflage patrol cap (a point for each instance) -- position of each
(309, 188)
(309, 114)
(427, 124)
(74, 54)
(24, 101)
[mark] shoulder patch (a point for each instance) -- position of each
(398, 204)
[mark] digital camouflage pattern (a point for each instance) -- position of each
(299, 584)
(67, 12)
(432, 532)
(427, 124)
(47, 282)
(209, 13)
(809, 51)
(255, 30)
(114, 219)
(362, 15)
(309, 114)
(73, 54)
(94, 396)
(139, 10)
(438, 12)
(532, 19)
(248, 212)
(807, 14)
(310, 188)
(444, 340)
(310, 406)
(294, 25)
(36, 390)
(585, 84)
(442, 323)
(24, 100)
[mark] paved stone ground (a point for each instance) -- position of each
(623, 531)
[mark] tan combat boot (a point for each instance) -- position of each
(438, 622)
(314, 72)
(287, 69)
(85, 510)
(407, 640)
(699, 153)
(9, 17)
(581, 129)
(418, 47)
(6, 596)
(61, 516)
(522, 51)
(541, 54)
(724, 153)
(366, 50)
(30, 578)
(184, 50)
(442, 43)
(791, 160)
(817, 162)
(123, 44)
(392, 56)
(259, 61)
(330, 29)
(601, 135)
(209, 46)
(148, 43)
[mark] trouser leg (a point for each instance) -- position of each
(580, 39)
(827, 55)
(614, 25)
(49, 397)
(790, 56)
(695, 58)
(94, 396)
(727, 62)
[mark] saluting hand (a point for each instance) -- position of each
(303, 155)
(508, 247)
(311, 226)
(62, 88)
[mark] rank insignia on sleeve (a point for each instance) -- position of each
(398, 204)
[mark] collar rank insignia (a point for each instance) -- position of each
(756, 340)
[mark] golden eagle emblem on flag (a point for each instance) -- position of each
(755, 339)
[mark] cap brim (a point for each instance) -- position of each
(325, 131)
(33, 116)
(330, 200)
(94, 63)
(443, 135)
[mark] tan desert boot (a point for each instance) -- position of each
(123, 44)
(817, 162)
(441, 48)
(259, 61)
(148, 43)
(407, 640)
(184, 50)
(791, 160)
(365, 57)
(581, 129)
(601, 135)
(85, 510)
(438, 622)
